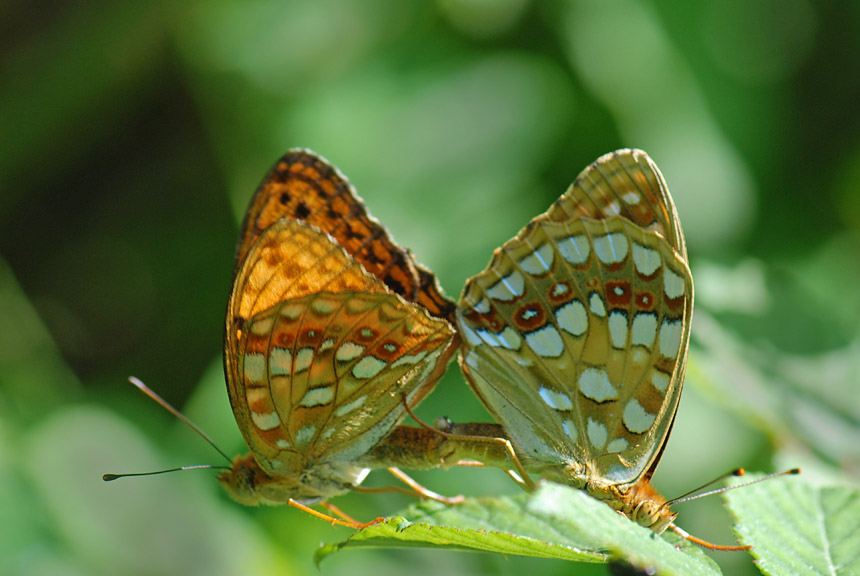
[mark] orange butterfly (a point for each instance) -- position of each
(329, 328)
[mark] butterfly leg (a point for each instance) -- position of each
(469, 441)
(469, 463)
(421, 490)
(334, 510)
(415, 489)
(344, 519)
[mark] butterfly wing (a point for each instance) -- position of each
(623, 183)
(303, 186)
(319, 353)
(626, 183)
(575, 337)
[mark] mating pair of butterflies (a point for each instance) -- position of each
(574, 337)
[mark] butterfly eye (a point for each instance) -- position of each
(646, 513)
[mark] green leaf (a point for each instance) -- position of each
(554, 522)
(797, 528)
(783, 394)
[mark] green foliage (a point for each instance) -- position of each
(796, 527)
(792, 401)
(555, 522)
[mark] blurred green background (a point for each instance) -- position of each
(133, 134)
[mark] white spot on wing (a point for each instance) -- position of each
(660, 381)
(507, 338)
(670, 338)
(327, 345)
(304, 357)
(539, 261)
(510, 338)
(368, 367)
(482, 307)
(409, 359)
(324, 306)
(262, 326)
(611, 248)
(631, 198)
(318, 397)
(575, 249)
(595, 302)
(644, 329)
(546, 342)
(255, 395)
(348, 351)
(636, 419)
(572, 318)
(305, 435)
(646, 260)
(292, 311)
(280, 362)
(508, 288)
(555, 399)
(594, 384)
(267, 421)
(597, 434)
(673, 285)
(617, 445)
(618, 329)
(255, 368)
(282, 444)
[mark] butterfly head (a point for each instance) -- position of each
(653, 515)
(649, 508)
(249, 484)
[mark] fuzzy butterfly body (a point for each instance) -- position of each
(330, 326)
(575, 336)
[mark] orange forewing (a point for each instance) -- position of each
(303, 186)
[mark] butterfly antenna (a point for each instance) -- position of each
(111, 477)
(697, 493)
(164, 404)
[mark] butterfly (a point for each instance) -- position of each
(331, 331)
(575, 336)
